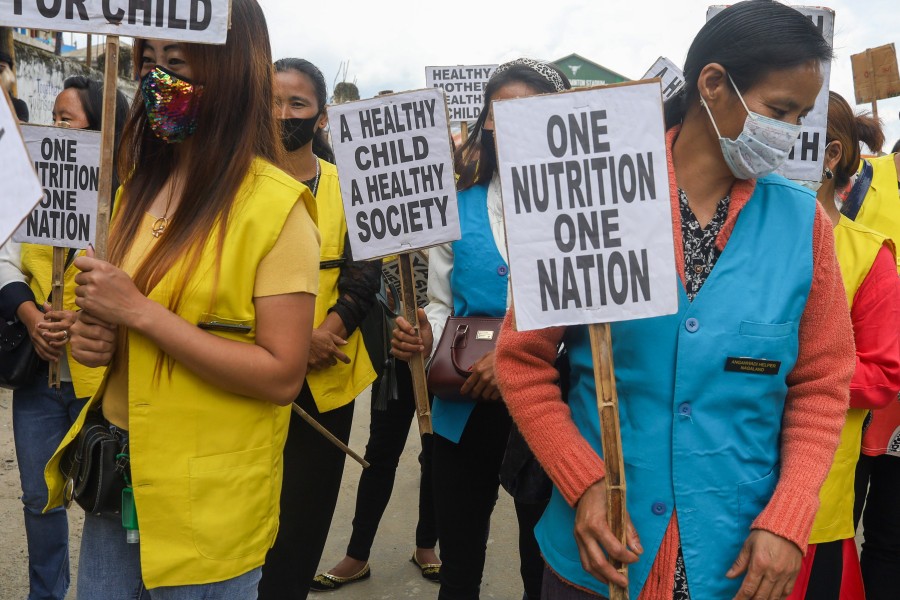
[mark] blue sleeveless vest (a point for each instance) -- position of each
(479, 282)
(697, 436)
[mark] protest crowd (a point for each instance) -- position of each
(189, 380)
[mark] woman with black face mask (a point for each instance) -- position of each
(338, 368)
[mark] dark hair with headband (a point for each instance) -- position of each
(321, 147)
(750, 40)
(476, 167)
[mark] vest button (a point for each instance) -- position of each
(692, 325)
(658, 508)
(684, 409)
(502, 270)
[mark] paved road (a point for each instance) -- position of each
(393, 576)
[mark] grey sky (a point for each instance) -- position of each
(389, 43)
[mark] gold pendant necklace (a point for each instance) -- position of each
(162, 223)
(159, 226)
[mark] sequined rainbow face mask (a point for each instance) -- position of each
(171, 104)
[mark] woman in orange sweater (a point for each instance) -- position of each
(723, 467)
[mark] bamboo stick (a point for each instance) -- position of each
(611, 439)
(417, 362)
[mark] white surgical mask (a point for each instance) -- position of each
(762, 146)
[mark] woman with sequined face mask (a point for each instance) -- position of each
(470, 277)
(338, 366)
(732, 407)
(203, 314)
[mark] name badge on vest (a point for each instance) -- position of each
(755, 366)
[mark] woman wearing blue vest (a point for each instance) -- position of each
(470, 278)
(203, 314)
(723, 466)
(339, 368)
(41, 414)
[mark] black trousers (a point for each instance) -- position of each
(313, 467)
(466, 484)
(878, 488)
(388, 432)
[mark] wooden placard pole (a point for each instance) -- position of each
(463, 132)
(57, 289)
(611, 440)
(417, 362)
(107, 145)
(328, 435)
(871, 63)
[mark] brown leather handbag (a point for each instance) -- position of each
(463, 342)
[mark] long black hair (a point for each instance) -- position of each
(90, 93)
(474, 166)
(750, 39)
(320, 147)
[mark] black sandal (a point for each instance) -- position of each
(326, 582)
(430, 571)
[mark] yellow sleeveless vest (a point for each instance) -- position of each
(857, 247)
(206, 462)
(337, 385)
(881, 208)
(37, 265)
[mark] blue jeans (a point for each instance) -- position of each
(41, 417)
(110, 568)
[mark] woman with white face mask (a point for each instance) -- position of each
(732, 407)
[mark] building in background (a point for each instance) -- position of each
(585, 73)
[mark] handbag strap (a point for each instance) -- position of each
(459, 336)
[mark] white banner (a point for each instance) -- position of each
(201, 21)
(586, 204)
(806, 160)
(670, 75)
(464, 86)
(396, 171)
(67, 163)
(20, 190)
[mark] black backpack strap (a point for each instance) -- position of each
(858, 192)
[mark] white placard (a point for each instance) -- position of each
(806, 160)
(20, 190)
(67, 163)
(464, 86)
(670, 75)
(586, 204)
(396, 171)
(201, 21)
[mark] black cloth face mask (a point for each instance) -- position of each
(296, 133)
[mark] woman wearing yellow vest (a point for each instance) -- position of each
(42, 415)
(878, 470)
(339, 368)
(203, 314)
(831, 568)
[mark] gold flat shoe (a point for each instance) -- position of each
(326, 582)
(430, 571)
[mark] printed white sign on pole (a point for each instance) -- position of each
(586, 204)
(670, 75)
(464, 86)
(201, 21)
(67, 162)
(396, 171)
(806, 160)
(20, 189)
